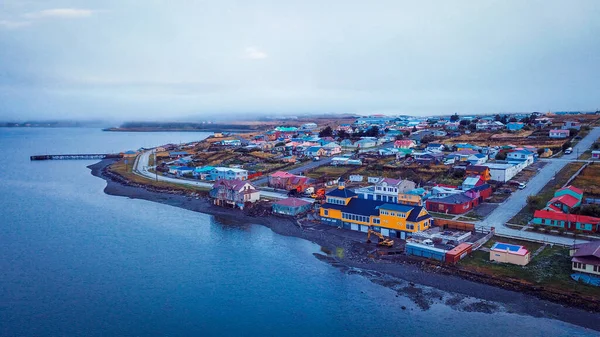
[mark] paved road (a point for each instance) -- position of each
(518, 200)
(141, 168)
(313, 164)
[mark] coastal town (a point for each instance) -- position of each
(483, 197)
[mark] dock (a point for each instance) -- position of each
(85, 156)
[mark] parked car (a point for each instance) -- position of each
(522, 185)
(569, 150)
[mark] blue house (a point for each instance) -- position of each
(515, 126)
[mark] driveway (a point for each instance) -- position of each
(511, 206)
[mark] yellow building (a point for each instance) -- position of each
(410, 199)
(344, 209)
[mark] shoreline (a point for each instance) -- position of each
(421, 282)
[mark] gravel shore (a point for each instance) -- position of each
(425, 285)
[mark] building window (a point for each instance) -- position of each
(326, 212)
(597, 269)
(410, 226)
(376, 221)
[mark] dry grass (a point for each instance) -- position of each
(589, 180)
(125, 171)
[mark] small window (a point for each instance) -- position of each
(325, 212)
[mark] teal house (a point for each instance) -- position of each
(291, 206)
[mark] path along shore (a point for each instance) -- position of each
(424, 283)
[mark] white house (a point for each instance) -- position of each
(228, 173)
(556, 133)
(521, 156)
(434, 147)
(477, 159)
(502, 172)
(309, 126)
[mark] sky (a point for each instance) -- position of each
(178, 59)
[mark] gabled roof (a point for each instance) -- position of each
(413, 216)
(572, 188)
(471, 180)
(480, 188)
(390, 181)
(341, 193)
(566, 199)
(588, 249)
(282, 174)
(434, 145)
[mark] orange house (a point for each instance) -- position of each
(479, 170)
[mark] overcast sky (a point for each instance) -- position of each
(177, 58)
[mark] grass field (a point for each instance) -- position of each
(551, 268)
(589, 180)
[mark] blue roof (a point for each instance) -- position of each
(178, 153)
(505, 246)
(341, 193)
(184, 168)
(414, 214)
(358, 206)
(523, 152)
(396, 207)
(459, 198)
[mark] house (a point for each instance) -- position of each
(309, 126)
(462, 155)
(178, 154)
(472, 182)
(204, 172)
(555, 133)
(344, 209)
(477, 159)
(565, 199)
(466, 146)
(413, 197)
(427, 158)
(339, 161)
(129, 154)
(508, 253)
(356, 178)
(521, 156)
(227, 173)
(452, 126)
(231, 142)
(439, 133)
(570, 222)
(502, 172)
(404, 144)
(332, 149)
(514, 126)
(287, 181)
(420, 134)
(366, 143)
(386, 189)
(586, 258)
(459, 203)
(478, 170)
(402, 153)
(181, 170)
(571, 125)
(291, 206)
(233, 193)
(434, 147)
(314, 151)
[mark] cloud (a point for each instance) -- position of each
(60, 13)
(13, 24)
(254, 53)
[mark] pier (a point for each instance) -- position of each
(85, 156)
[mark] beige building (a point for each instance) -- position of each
(507, 253)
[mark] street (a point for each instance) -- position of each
(511, 206)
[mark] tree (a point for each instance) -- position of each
(497, 118)
(327, 132)
(465, 122)
(454, 117)
(535, 202)
(406, 133)
(525, 120)
(501, 155)
(504, 119)
(414, 129)
(472, 127)
(372, 131)
(540, 151)
(573, 132)
(401, 136)
(427, 139)
(512, 120)
(342, 134)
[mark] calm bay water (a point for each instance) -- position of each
(77, 262)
